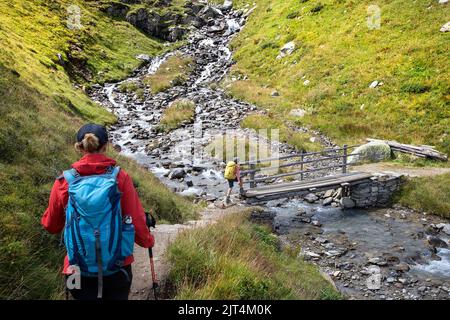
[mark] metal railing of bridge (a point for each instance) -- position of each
(328, 155)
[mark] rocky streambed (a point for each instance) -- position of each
(392, 253)
(182, 158)
(374, 254)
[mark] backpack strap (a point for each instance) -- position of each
(114, 171)
(71, 175)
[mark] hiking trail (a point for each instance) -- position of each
(164, 235)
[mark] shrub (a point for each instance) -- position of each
(293, 15)
(317, 8)
(414, 88)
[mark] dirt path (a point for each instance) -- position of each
(164, 236)
(399, 169)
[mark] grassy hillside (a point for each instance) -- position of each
(236, 259)
(336, 59)
(40, 111)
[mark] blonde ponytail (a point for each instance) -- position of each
(90, 144)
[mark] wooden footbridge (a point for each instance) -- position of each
(300, 167)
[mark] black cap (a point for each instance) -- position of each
(99, 131)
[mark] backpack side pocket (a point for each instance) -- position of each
(128, 232)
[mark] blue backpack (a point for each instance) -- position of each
(96, 239)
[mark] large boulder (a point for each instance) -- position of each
(374, 151)
(176, 33)
(227, 5)
(446, 228)
(195, 6)
(116, 9)
(287, 50)
(298, 113)
(446, 27)
(311, 198)
(149, 22)
(209, 12)
(177, 174)
(164, 27)
(347, 203)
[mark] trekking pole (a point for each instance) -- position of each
(151, 223)
(154, 280)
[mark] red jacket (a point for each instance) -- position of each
(53, 219)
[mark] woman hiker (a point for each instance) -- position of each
(99, 209)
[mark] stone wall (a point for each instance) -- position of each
(377, 192)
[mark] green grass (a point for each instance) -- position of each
(40, 112)
(340, 57)
(236, 259)
(173, 72)
(179, 112)
(428, 194)
(299, 140)
(128, 86)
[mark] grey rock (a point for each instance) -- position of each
(311, 198)
(329, 193)
(301, 211)
(321, 240)
(305, 219)
(347, 203)
(338, 194)
(300, 113)
(436, 242)
(143, 57)
(287, 50)
(177, 173)
(422, 289)
(310, 255)
(189, 183)
(403, 267)
(316, 223)
(373, 152)
(444, 227)
(116, 9)
(276, 203)
(374, 84)
(377, 261)
(390, 280)
(210, 12)
(335, 253)
(227, 5)
(445, 27)
(327, 201)
(164, 27)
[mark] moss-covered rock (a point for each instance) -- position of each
(371, 152)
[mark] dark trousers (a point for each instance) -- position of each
(115, 287)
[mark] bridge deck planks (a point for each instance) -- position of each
(331, 181)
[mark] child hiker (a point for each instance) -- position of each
(232, 175)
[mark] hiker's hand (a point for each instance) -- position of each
(152, 242)
(150, 220)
